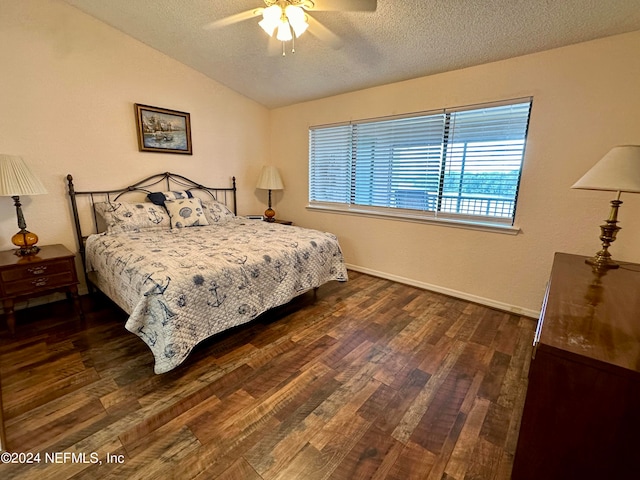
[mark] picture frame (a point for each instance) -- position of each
(162, 130)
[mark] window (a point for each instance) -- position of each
(459, 165)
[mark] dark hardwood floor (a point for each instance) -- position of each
(370, 380)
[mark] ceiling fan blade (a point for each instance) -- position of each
(230, 20)
(323, 33)
(342, 5)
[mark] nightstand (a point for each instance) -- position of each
(52, 269)
(282, 222)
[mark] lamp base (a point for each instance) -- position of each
(608, 231)
(27, 252)
(602, 261)
(269, 215)
(26, 243)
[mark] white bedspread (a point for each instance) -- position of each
(181, 286)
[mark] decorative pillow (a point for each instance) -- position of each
(216, 212)
(159, 197)
(186, 213)
(132, 217)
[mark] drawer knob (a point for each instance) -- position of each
(37, 270)
(40, 282)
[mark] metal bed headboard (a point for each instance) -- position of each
(159, 182)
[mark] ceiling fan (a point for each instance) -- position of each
(287, 19)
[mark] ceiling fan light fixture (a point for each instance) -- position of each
(270, 19)
(284, 31)
(297, 19)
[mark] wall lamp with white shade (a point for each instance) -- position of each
(618, 171)
(17, 179)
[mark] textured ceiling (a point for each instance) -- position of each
(402, 39)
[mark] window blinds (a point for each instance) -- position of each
(464, 162)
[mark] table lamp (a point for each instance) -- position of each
(618, 171)
(16, 179)
(270, 180)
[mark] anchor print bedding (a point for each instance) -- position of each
(183, 285)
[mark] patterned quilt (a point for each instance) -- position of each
(181, 286)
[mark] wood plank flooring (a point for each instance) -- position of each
(368, 380)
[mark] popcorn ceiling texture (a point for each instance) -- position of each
(401, 40)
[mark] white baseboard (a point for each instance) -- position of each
(375, 273)
(448, 291)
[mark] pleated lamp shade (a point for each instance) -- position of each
(17, 179)
(270, 179)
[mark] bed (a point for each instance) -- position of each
(174, 255)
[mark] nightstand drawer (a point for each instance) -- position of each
(40, 282)
(24, 272)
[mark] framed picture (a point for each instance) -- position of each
(163, 130)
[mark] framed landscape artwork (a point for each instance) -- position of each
(163, 130)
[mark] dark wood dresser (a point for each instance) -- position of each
(581, 416)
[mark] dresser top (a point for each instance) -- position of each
(593, 314)
(48, 252)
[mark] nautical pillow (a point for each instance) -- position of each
(216, 212)
(159, 197)
(186, 213)
(132, 217)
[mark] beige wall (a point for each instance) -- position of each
(586, 100)
(68, 84)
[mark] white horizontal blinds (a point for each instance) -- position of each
(484, 152)
(398, 162)
(330, 164)
(460, 164)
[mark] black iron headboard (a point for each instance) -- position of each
(160, 182)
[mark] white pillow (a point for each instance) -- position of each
(186, 213)
(132, 217)
(216, 212)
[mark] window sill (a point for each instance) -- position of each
(417, 218)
